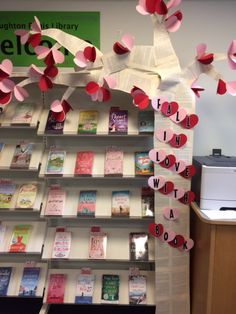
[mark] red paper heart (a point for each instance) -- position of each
(66, 106)
(187, 198)
(90, 53)
(45, 83)
(3, 75)
(92, 87)
(49, 60)
(206, 58)
(151, 6)
(190, 121)
(141, 100)
(34, 40)
(168, 162)
(59, 116)
(155, 230)
(5, 98)
(106, 95)
(178, 140)
(188, 172)
(51, 71)
(221, 88)
(167, 188)
(169, 108)
(177, 242)
(119, 49)
(161, 8)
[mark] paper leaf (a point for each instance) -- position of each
(58, 56)
(151, 6)
(161, 7)
(128, 41)
(49, 59)
(179, 116)
(201, 49)
(168, 162)
(59, 116)
(187, 198)
(20, 93)
(177, 193)
(35, 72)
(190, 121)
(110, 81)
(178, 167)
(189, 172)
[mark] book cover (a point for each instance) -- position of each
(5, 276)
(20, 238)
(88, 121)
(147, 202)
(145, 122)
(62, 244)
(56, 200)
(56, 288)
(3, 229)
(138, 246)
(23, 114)
(110, 289)
(84, 289)
(22, 156)
(118, 121)
(52, 126)
(97, 245)
(113, 162)
(84, 163)
(87, 203)
(137, 289)
(26, 196)
(143, 165)
(29, 282)
(7, 191)
(120, 203)
(55, 162)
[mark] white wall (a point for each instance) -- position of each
(211, 22)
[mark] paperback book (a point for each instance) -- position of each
(88, 121)
(23, 114)
(84, 163)
(120, 203)
(113, 162)
(56, 200)
(22, 156)
(137, 289)
(20, 238)
(5, 276)
(3, 229)
(143, 165)
(87, 203)
(84, 289)
(147, 202)
(62, 244)
(118, 121)
(145, 122)
(55, 162)
(26, 196)
(110, 289)
(97, 245)
(53, 126)
(138, 246)
(56, 288)
(7, 190)
(29, 282)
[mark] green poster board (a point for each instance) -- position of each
(85, 25)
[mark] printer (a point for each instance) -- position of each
(214, 183)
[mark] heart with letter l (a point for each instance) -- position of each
(179, 116)
(190, 121)
(157, 156)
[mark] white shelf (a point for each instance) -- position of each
(16, 275)
(117, 243)
(72, 274)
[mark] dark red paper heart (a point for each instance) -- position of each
(178, 140)
(5, 98)
(92, 87)
(188, 172)
(66, 106)
(49, 60)
(221, 88)
(106, 95)
(177, 242)
(141, 100)
(156, 230)
(119, 49)
(151, 6)
(45, 83)
(168, 162)
(169, 108)
(161, 7)
(90, 53)
(187, 198)
(167, 188)
(190, 121)
(51, 71)
(206, 58)
(34, 40)
(3, 75)
(59, 116)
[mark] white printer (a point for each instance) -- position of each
(214, 183)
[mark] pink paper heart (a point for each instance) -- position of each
(178, 140)
(119, 49)
(164, 135)
(20, 93)
(173, 22)
(157, 102)
(187, 198)
(56, 106)
(167, 188)
(177, 242)
(179, 115)
(231, 88)
(171, 213)
(6, 66)
(187, 246)
(128, 41)
(41, 51)
(35, 26)
(167, 236)
(24, 35)
(58, 56)
(141, 7)
(157, 156)
(6, 85)
(169, 108)
(110, 81)
(177, 193)
(190, 121)
(168, 162)
(173, 3)
(156, 182)
(178, 167)
(156, 230)
(80, 60)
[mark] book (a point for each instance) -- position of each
(87, 203)
(120, 203)
(84, 163)
(62, 244)
(1, 148)
(84, 289)
(110, 289)
(97, 245)
(147, 202)
(23, 114)
(3, 229)
(137, 289)
(55, 203)
(55, 162)
(138, 246)
(53, 126)
(88, 121)
(56, 288)
(113, 162)
(22, 156)
(143, 165)
(145, 122)
(20, 238)
(29, 282)
(5, 276)
(26, 196)
(118, 121)
(7, 190)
